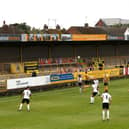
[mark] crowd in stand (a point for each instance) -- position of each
(82, 61)
(43, 61)
(66, 65)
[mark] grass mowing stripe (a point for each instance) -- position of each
(67, 109)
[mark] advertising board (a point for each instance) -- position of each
(61, 77)
(24, 37)
(115, 37)
(100, 73)
(30, 81)
(88, 37)
(10, 37)
(66, 37)
(4, 38)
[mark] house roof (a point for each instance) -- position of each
(85, 30)
(5, 29)
(114, 31)
(54, 31)
(74, 30)
(114, 21)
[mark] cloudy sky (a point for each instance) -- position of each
(66, 13)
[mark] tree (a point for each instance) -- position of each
(35, 31)
(23, 27)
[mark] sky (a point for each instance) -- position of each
(66, 13)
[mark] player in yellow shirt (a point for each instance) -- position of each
(106, 80)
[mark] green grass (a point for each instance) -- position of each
(67, 109)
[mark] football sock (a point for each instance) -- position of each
(20, 107)
(28, 107)
(91, 99)
(107, 114)
(103, 115)
(80, 90)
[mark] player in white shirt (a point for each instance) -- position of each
(80, 82)
(94, 92)
(26, 99)
(96, 81)
(106, 101)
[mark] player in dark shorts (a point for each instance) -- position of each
(106, 82)
(80, 82)
(106, 101)
(26, 99)
(94, 92)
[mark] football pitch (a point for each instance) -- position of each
(67, 109)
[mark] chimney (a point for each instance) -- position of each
(4, 22)
(57, 27)
(86, 25)
(45, 27)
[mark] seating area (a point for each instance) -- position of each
(66, 65)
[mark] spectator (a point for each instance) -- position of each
(34, 74)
